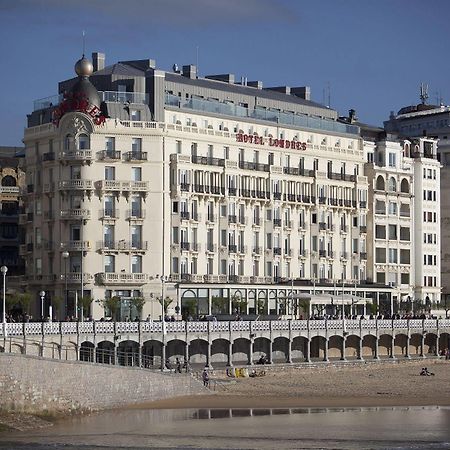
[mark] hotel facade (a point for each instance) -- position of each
(226, 197)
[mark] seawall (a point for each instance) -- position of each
(36, 385)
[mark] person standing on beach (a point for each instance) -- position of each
(205, 377)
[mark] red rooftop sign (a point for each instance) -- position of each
(260, 140)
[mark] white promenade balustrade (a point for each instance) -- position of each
(105, 327)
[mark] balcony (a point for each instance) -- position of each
(277, 250)
(75, 185)
(247, 165)
(185, 246)
(109, 155)
(185, 187)
(185, 215)
(135, 214)
(277, 222)
(302, 253)
(363, 229)
(196, 217)
(232, 219)
(295, 171)
(211, 248)
(287, 224)
(48, 188)
(108, 185)
(208, 161)
(257, 221)
(242, 249)
(363, 255)
(50, 156)
(232, 248)
(256, 250)
(277, 195)
(76, 246)
(75, 277)
(211, 218)
(9, 190)
(232, 191)
(344, 228)
(75, 214)
(344, 255)
(122, 278)
(322, 226)
(322, 253)
(108, 213)
(75, 155)
(242, 220)
(135, 186)
(363, 204)
(135, 156)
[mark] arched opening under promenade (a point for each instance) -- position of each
(87, 351)
(400, 344)
(105, 353)
(241, 351)
(368, 346)
(198, 351)
(128, 353)
(431, 344)
(352, 347)
(152, 353)
(219, 352)
(299, 349)
(261, 348)
(280, 350)
(335, 350)
(175, 349)
(318, 347)
(415, 345)
(444, 343)
(385, 346)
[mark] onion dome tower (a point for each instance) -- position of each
(83, 88)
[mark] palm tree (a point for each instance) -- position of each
(138, 303)
(111, 305)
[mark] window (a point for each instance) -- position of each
(109, 263)
(136, 145)
(175, 265)
(175, 207)
(393, 208)
(178, 146)
(83, 142)
(392, 160)
(110, 144)
(136, 264)
(108, 236)
(380, 232)
(393, 232)
(110, 173)
(136, 236)
(380, 255)
(392, 186)
(136, 174)
(393, 255)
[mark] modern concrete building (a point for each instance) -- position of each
(225, 196)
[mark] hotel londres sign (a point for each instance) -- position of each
(272, 142)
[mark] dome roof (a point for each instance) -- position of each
(84, 67)
(84, 89)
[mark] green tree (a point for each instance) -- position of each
(189, 308)
(238, 304)
(219, 305)
(56, 303)
(303, 304)
(372, 307)
(110, 306)
(25, 301)
(261, 306)
(167, 301)
(138, 303)
(84, 303)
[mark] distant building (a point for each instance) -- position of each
(12, 180)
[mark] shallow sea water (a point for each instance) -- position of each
(295, 428)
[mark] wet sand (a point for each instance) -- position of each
(380, 384)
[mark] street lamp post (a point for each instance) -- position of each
(4, 269)
(163, 294)
(42, 295)
(65, 255)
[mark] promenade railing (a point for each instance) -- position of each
(115, 328)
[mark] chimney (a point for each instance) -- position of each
(283, 89)
(255, 84)
(302, 92)
(190, 71)
(98, 61)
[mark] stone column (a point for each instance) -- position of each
(325, 353)
(230, 355)
(422, 346)
(407, 355)
(360, 349)
(376, 348)
(250, 353)
(436, 348)
(270, 356)
(186, 353)
(308, 351)
(163, 356)
(344, 339)
(208, 355)
(392, 346)
(289, 352)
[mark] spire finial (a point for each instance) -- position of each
(84, 43)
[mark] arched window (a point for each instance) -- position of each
(404, 185)
(392, 184)
(380, 183)
(8, 180)
(83, 142)
(406, 150)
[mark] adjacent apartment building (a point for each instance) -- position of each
(222, 195)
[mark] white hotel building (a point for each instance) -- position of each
(224, 196)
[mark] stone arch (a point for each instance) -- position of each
(128, 353)
(17, 348)
(335, 346)
(368, 345)
(352, 346)
(198, 350)
(87, 351)
(273, 302)
(415, 344)
(299, 348)
(152, 353)
(105, 353)
(280, 349)
(430, 344)
(261, 347)
(400, 344)
(189, 304)
(69, 351)
(219, 351)
(404, 185)
(385, 345)
(444, 343)
(241, 348)
(318, 347)
(251, 301)
(262, 302)
(175, 348)
(52, 350)
(380, 184)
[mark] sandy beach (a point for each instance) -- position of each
(376, 384)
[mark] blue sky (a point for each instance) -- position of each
(372, 54)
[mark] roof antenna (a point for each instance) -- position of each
(198, 71)
(423, 93)
(84, 43)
